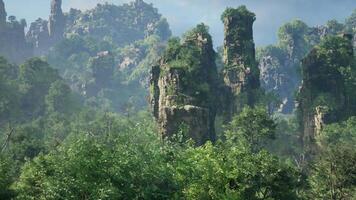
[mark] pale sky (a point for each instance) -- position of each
(185, 14)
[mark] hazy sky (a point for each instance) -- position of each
(185, 14)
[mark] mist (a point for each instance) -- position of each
(185, 14)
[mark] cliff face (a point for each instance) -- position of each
(44, 34)
(240, 73)
(279, 76)
(2, 14)
(280, 64)
(56, 23)
(12, 38)
(38, 35)
(41, 35)
(183, 87)
(326, 94)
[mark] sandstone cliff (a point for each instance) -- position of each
(240, 72)
(2, 14)
(12, 37)
(38, 35)
(56, 23)
(326, 95)
(280, 64)
(183, 87)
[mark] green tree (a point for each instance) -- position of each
(60, 99)
(333, 175)
(7, 175)
(293, 38)
(252, 127)
(9, 95)
(35, 79)
(110, 159)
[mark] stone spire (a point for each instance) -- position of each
(322, 98)
(183, 91)
(241, 73)
(2, 13)
(56, 21)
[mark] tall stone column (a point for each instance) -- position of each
(56, 22)
(2, 14)
(241, 73)
(326, 94)
(183, 89)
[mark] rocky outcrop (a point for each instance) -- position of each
(280, 64)
(56, 23)
(102, 69)
(2, 14)
(38, 35)
(44, 34)
(183, 88)
(281, 82)
(12, 38)
(278, 77)
(241, 73)
(326, 94)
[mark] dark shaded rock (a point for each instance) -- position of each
(279, 76)
(2, 14)
(326, 94)
(184, 89)
(12, 38)
(56, 23)
(38, 35)
(241, 73)
(280, 64)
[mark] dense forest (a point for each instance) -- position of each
(107, 104)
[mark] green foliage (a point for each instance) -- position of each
(115, 158)
(240, 45)
(7, 174)
(9, 95)
(274, 51)
(252, 127)
(35, 78)
(339, 133)
(37, 91)
(334, 27)
(334, 174)
(136, 20)
(333, 64)
(351, 23)
(240, 13)
(293, 37)
(193, 59)
(97, 78)
(60, 99)
(59, 149)
(122, 160)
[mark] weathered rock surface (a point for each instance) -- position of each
(323, 97)
(280, 64)
(183, 97)
(2, 14)
(38, 35)
(279, 76)
(41, 36)
(56, 22)
(240, 73)
(12, 38)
